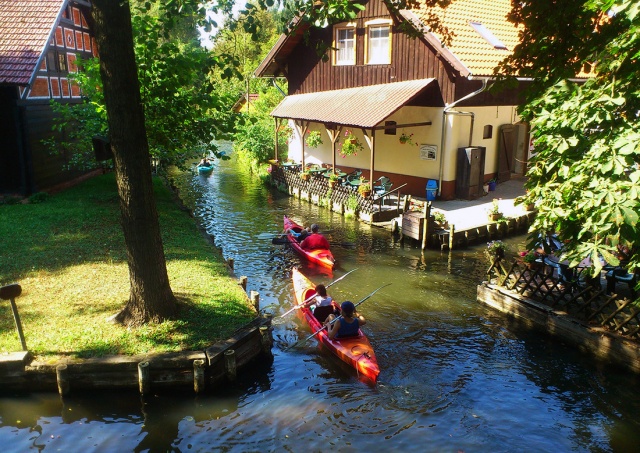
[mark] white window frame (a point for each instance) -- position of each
(350, 27)
(377, 24)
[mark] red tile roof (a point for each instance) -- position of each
(468, 46)
(25, 27)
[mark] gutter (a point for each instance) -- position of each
(447, 111)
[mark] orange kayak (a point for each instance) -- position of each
(356, 351)
(324, 257)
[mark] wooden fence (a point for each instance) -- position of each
(582, 297)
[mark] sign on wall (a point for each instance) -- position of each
(428, 152)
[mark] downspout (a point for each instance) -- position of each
(447, 111)
(273, 82)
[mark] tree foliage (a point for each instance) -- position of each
(585, 171)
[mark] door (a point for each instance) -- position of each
(506, 151)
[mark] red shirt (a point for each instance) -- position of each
(315, 241)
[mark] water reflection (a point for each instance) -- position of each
(455, 375)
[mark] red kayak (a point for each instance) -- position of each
(354, 351)
(324, 257)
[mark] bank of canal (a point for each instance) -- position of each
(455, 374)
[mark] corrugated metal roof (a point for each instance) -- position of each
(358, 107)
(25, 27)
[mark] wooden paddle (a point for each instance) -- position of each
(334, 320)
(311, 297)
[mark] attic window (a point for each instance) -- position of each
(488, 35)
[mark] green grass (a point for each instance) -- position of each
(68, 255)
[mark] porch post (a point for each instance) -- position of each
(302, 127)
(275, 138)
(371, 142)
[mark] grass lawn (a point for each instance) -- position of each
(68, 255)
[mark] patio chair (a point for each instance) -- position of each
(621, 275)
(382, 185)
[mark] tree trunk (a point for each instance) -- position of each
(151, 298)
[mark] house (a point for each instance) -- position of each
(422, 110)
(40, 42)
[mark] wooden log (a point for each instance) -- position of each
(255, 299)
(198, 375)
(144, 381)
(230, 364)
(62, 377)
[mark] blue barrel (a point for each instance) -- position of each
(432, 189)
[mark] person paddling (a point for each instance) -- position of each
(347, 325)
(315, 240)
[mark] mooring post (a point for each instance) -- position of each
(452, 232)
(10, 292)
(425, 225)
(230, 364)
(144, 383)
(231, 263)
(255, 298)
(265, 332)
(198, 375)
(243, 282)
(62, 376)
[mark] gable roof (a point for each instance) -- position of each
(25, 29)
(469, 53)
(363, 107)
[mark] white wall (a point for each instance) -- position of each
(394, 157)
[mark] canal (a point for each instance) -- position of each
(455, 376)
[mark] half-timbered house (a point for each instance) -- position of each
(40, 43)
(422, 109)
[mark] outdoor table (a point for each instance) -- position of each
(316, 170)
(339, 173)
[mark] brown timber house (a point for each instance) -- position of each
(40, 43)
(422, 110)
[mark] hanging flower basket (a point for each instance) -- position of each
(406, 139)
(314, 139)
(350, 145)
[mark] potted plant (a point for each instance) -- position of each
(496, 249)
(314, 139)
(305, 175)
(333, 180)
(364, 189)
(492, 183)
(440, 220)
(350, 145)
(494, 211)
(406, 138)
(529, 258)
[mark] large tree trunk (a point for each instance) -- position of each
(151, 298)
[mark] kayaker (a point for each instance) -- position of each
(324, 305)
(315, 240)
(347, 325)
(300, 236)
(204, 162)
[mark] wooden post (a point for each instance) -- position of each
(231, 263)
(266, 339)
(425, 226)
(62, 376)
(144, 383)
(10, 292)
(255, 298)
(198, 375)
(452, 232)
(243, 282)
(230, 364)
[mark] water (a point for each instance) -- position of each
(456, 376)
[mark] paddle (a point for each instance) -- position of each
(334, 320)
(284, 241)
(269, 235)
(311, 297)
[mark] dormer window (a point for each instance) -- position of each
(345, 45)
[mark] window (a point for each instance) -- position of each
(488, 35)
(390, 127)
(345, 46)
(378, 51)
(62, 62)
